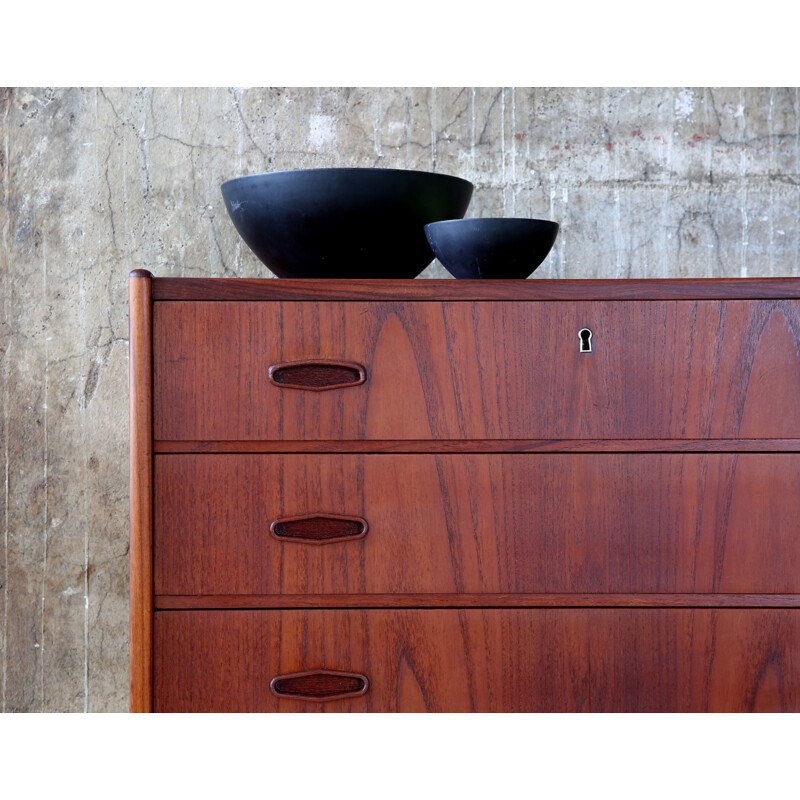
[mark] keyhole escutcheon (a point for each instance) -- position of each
(585, 336)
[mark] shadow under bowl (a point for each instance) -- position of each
(496, 247)
(343, 223)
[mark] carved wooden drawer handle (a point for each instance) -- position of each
(317, 375)
(319, 685)
(319, 528)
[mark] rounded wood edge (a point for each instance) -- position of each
(140, 273)
(440, 290)
(141, 492)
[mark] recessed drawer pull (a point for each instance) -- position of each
(319, 528)
(317, 375)
(319, 685)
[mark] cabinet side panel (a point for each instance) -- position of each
(141, 492)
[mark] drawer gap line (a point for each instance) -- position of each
(476, 447)
(230, 602)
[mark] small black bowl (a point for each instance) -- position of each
(343, 223)
(491, 247)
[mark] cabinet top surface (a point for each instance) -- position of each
(277, 289)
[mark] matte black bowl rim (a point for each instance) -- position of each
(343, 170)
(488, 219)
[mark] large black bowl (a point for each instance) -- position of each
(498, 247)
(343, 223)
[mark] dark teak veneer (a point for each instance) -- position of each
(427, 496)
(485, 659)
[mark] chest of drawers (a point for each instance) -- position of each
(465, 496)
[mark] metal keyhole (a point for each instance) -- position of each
(585, 336)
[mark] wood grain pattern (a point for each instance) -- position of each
(486, 600)
(141, 492)
(240, 289)
(543, 660)
(641, 523)
(485, 370)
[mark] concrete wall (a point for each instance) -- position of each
(645, 182)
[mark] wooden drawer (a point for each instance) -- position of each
(478, 523)
(682, 660)
(478, 370)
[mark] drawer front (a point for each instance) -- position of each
(680, 660)
(476, 370)
(477, 523)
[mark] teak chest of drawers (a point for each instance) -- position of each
(465, 495)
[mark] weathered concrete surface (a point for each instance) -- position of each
(646, 183)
